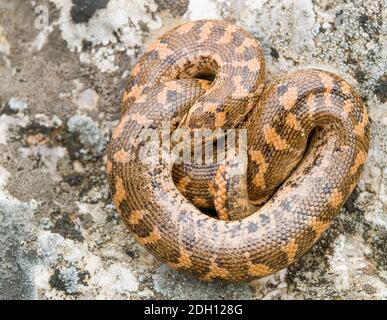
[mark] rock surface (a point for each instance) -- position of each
(63, 67)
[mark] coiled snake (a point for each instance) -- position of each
(307, 139)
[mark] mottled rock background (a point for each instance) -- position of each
(63, 67)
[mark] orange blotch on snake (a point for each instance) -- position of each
(121, 156)
(360, 128)
(200, 202)
(274, 139)
(135, 91)
(184, 261)
(319, 227)
(153, 237)
(135, 217)
(220, 195)
(347, 107)
(220, 119)
(336, 198)
(259, 270)
(310, 102)
(240, 91)
(227, 36)
(345, 87)
(186, 27)
(291, 250)
(359, 161)
(327, 82)
(125, 97)
(161, 48)
(259, 159)
(109, 166)
(182, 184)
(253, 66)
(119, 193)
(216, 272)
(205, 32)
(289, 98)
(292, 122)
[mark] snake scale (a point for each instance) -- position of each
(307, 139)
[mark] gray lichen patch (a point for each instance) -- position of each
(16, 230)
(18, 105)
(64, 224)
(381, 88)
(177, 9)
(70, 280)
(91, 138)
(101, 29)
(83, 10)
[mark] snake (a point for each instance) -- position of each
(239, 218)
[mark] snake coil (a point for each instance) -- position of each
(307, 139)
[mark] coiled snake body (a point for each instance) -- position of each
(307, 139)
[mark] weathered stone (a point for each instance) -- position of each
(60, 235)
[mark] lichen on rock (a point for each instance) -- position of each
(60, 93)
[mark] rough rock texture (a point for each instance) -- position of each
(62, 75)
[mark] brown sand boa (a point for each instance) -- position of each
(307, 139)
